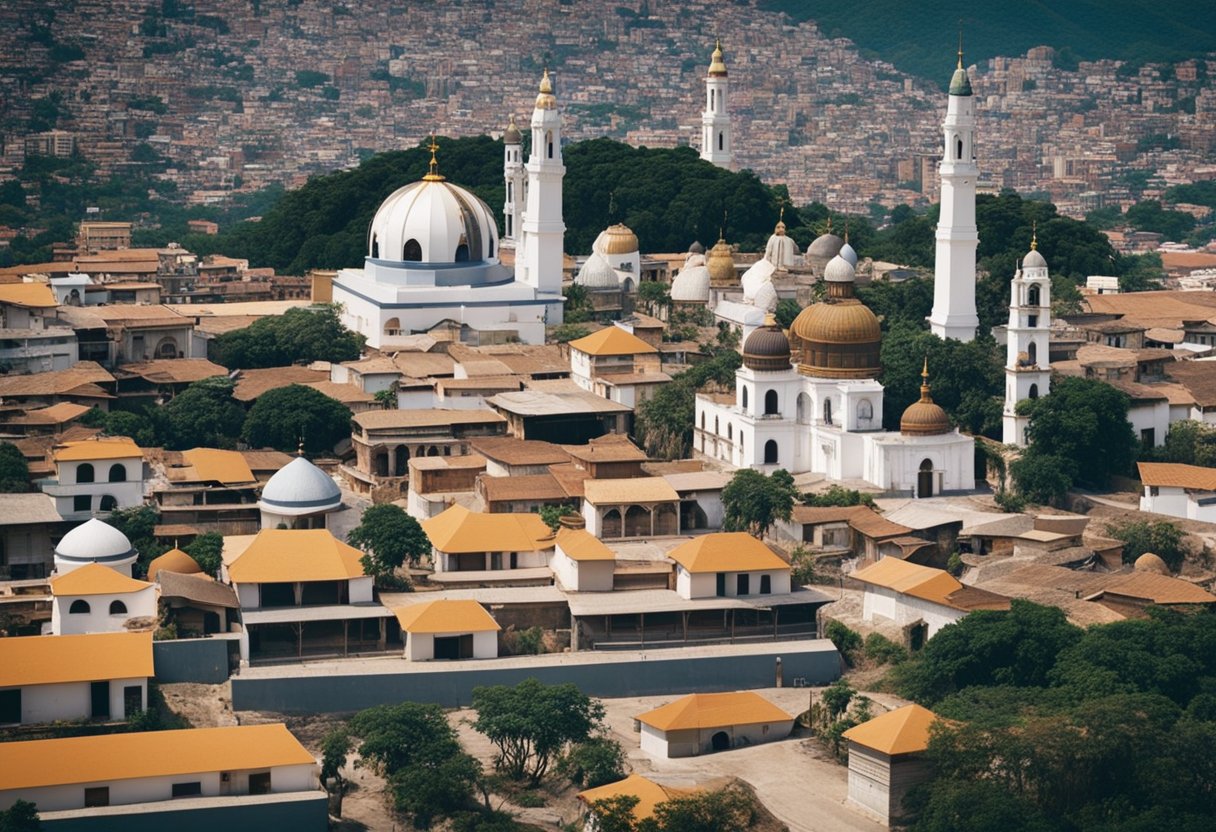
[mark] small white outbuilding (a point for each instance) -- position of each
(886, 759)
(582, 563)
(701, 723)
(448, 629)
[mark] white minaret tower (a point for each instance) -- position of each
(953, 314)
(715, 120)
(543, 228)
(1027, 365)
(513, 176)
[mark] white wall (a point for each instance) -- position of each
(295, 778)
(705, 584)
(1177, 502)
(582, 576)
(690, 743)
(420, 647)
(141, 604)
(73, 700)
(361, 590)
(903, 609)
(870, 781)
(1154, 416)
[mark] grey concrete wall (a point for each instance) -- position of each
(202, 660)
(658, 673)
(308, 813)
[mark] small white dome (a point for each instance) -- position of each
(838, 270)
(766, 297)
(596, 273)
(1034, 260)
(433, 221)
(757, 275)
(94, 542)
(694, 258)
(692, 283)
(826, 246)
(850, 254)
(300, 487)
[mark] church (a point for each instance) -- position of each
(433, 251)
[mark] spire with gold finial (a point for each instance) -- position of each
(960, 44)
(924, 382)
(433, 174)
(545, 100)
(960, 84)
(1034, 235)
(300, 447)
(717, 67)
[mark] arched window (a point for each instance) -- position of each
(167, 348)
(392, 326)
(827, 411)
(79, 607)
(549, 144)
(770, 403)
(1032, 296)
(118, 608)
(865, 410)
(1033, 353)
(85, 473)
(375, 247)
(462, 253)
(74, 297)
(744, 399)
(721, 141)
(108, 503)
(730, 431)
(118, 472)
(412, 251)
(1034, 391)
(958, 148)
(770, 452)
(804, 409)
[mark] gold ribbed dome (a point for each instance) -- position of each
(924, 417)
(721, 263)
(545, 99)
(717, 68)
(838, 337)
(617, 239)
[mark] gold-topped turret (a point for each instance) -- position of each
(717, 68)
(924, 417)
(433, 174)
(545, 100)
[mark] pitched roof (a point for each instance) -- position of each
(581, 545)
(174, 370)
(56, 414)
(901, 731)
(649, 794)
(175, 561)
(53, 660)
(199, 588)
(430, 417)
(929, 584)
(1157, 589)
(28, 295)
(511, 451)
(457, 530)
(634, 490)
(714, 710)
(290, 555)
(95, 579)
(1178, 475)
(528, 487)
(446, 616)
(726, 552)
(115, 447)
(252, 383)
(612, 340)
(211, 465)
(84, 374)
(127, 756)
(608, 448)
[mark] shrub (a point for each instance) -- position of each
(847, 641)
(882, 650)
(593, 763)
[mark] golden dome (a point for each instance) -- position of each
(925, 417)
(174, 560)
(717, 69)
(617, 239)
(545, 99)
(1148, 562)
(838, 337)
(721, 263)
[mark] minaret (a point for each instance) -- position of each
(543, 228)
(953, 314)
(715, 120)
(1027, 365)
(513, 176)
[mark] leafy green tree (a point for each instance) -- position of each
(837, 495)
(1160, 537)
(578, 308)
(977, 805)
(207, 550)
(531, 724)
(567, 332)
(335, 748)
(552, 515)
(135, 425)
(204, 415)
(283, 417)
(726, 810)
(1040, 478)
(138, 523)
(22, 816)
(387, 399)
(847, 641)
(904, 302)
(880, 649)
(654, 297)
(440, 781)
(389, 538)
(593, 763)
(1189, 442)
(14, 470)
(787, 311)
(664, 422)
(615, 814)
(1149, 215)
(296, 336)
(753, 502)
(1140, 272)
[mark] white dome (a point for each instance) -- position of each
(850, 254)
(596, 273)
(766, 297)
(692, 283)
(300, 487)
(1034, 260)
(438, 221)
(93, 542)
(757, 275)
(839, 270)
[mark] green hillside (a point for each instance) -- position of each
(921, 38)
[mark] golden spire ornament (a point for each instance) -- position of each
(433, 173)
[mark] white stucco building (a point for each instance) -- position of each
(705, 722)
(96, 476)
(73, 677)
(811, 402)
(581, 563)
(299, 496)
(728, 565)
(1184, 491)
(715, 118)
(887, 758)
(1028, 363)
(448, 629)
(97, 599)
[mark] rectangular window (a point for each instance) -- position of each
(10, 706)
(192, 789)
(97, 796)
(82, 502)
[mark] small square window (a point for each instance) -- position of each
(82, 502)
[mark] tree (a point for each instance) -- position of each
(1040, 478)
(387, 398)
(664, 422)
(1083, 423)
(837, 495)
(1160, 537)
(787, 310)
(297, 336)
(752, 502)
(727, 810)
(138, 523)
(594, 762)
(615, 814)
(552, 515)
(135, 425)
(567, 332)
(204, 415)
(977, 805)
(335, 747)
(531, 724)
(1189, 442)
(207, 550)
(283, 417)
(14, 470)
(389, 539)
(22, 816)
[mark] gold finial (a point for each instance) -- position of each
(1034, 235)
(433, 173)
(546, 86)
(846, 229)
(770, 319)
(924, 381)
(829, 223)
(781, 214)
(960, 43)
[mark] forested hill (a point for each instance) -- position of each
(921, 37)
(669, 197)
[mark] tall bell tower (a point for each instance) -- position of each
(715, 120)
(543, 227)
(513, 175)
(1027, 364)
